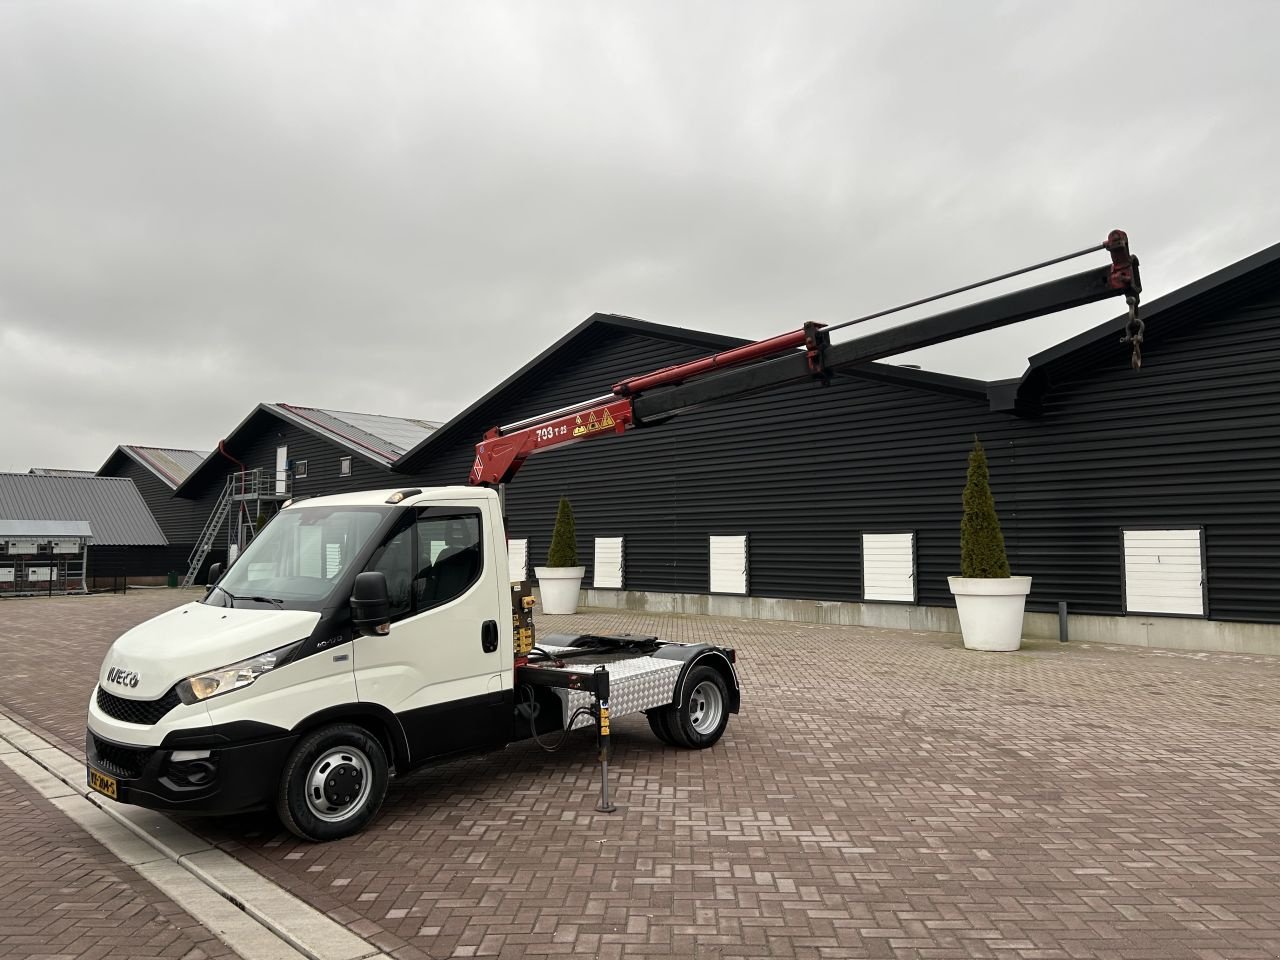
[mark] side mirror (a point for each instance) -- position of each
(371, 604)
(215, 573)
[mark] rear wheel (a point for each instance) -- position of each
(658, 724)
(699, 718)
(333, 783)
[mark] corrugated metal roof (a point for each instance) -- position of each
(59, 472)
(45, 529)
(385, 437)
(111, 505)
(169, 464)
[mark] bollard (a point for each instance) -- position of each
(1062, 621)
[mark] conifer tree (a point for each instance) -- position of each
(564, 538)
(981, 542)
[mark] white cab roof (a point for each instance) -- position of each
(366, 498)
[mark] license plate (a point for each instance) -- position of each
(102, 783)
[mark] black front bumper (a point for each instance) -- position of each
(232, 779)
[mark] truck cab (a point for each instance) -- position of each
(358, 636)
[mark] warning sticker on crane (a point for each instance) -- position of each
(592, 424)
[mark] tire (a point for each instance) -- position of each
(658, 724)
(316, 806)
(699, 719)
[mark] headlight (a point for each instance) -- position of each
(213, 683)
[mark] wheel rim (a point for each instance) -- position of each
(706, 707)
(338, 784)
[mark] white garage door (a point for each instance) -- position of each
(518, 560)
(888, 567)
(1163, 572)
(729, 564)
(608, 563)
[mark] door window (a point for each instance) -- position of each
(430, 560)
(449, 557)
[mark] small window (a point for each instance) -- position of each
(607, 566)
(344, 467)
(518, 560)
(299, 469)
(1164, 572)
(888, 567)
(729, 565)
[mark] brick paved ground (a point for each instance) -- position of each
(62, 895)
(883, 794)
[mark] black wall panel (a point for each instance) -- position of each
(255, 447)
(1191, 439)
(180, 520)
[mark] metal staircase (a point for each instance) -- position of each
(209, 534)
(241, 489)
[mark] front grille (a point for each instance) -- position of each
(147, 712)
(123, 762)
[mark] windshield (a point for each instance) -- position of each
(299, 557)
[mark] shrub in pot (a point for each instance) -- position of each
(989, 601)
(560, 581)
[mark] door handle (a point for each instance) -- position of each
(489, 636)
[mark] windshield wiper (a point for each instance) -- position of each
(275, 600)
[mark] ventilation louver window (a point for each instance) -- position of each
(729, 565)
(518, 560)
(608, 563)
(1164, 572)
(889, 567)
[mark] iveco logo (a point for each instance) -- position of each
(126, 678)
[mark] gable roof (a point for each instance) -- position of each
(1231, 286)
(379, 439)
(535, 368)
(59, 472)
(171, 466)
(112, 506)
(385, 437)
(566, 347)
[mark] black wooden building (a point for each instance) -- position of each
(1102, 474)
(157, 472)
(296, 451)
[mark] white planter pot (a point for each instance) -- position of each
(558, 588)
(990, 610)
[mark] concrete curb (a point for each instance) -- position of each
(182, 865)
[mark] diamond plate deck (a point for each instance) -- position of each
(635, 685)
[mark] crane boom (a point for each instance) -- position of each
(777, 361)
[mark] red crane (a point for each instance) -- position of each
(804, 353)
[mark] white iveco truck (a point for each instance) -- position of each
(361, 635)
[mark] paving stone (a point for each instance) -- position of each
(64, 895)
(882, 794)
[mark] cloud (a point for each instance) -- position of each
(389, 208)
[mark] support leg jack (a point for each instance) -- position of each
(602, 737)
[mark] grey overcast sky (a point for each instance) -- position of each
(388, 207)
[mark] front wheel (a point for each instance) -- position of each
(333, 783)
(698, 720)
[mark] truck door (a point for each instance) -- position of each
(441, 667)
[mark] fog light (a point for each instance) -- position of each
(191, 768)
(199, 772)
